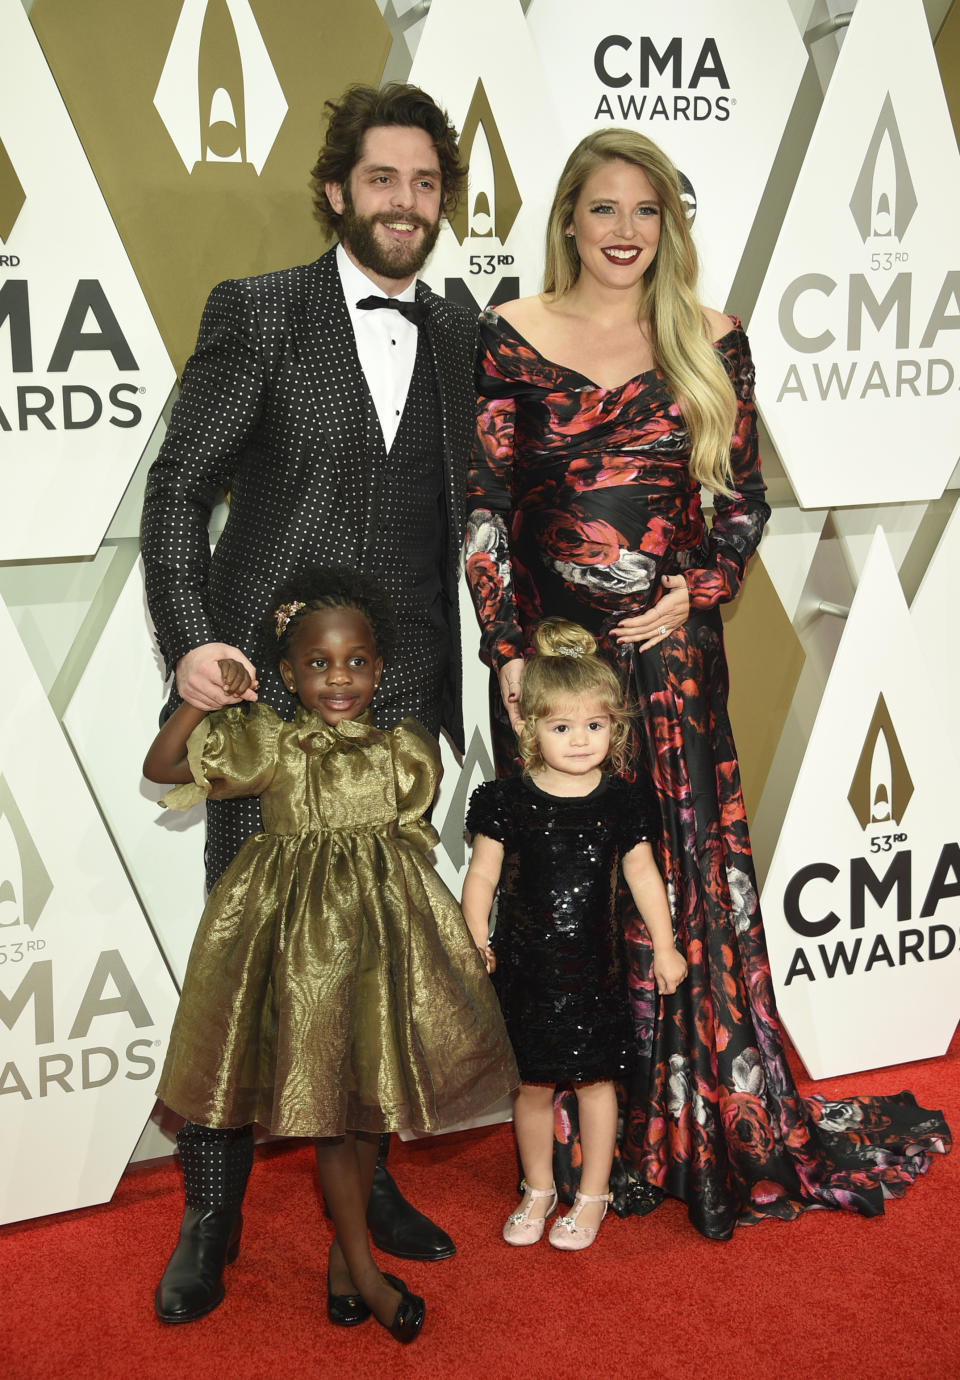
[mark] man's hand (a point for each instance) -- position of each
(200, 677)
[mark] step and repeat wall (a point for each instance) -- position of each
(148, 151)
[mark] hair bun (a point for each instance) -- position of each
(560, 637)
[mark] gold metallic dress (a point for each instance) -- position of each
(333, 983)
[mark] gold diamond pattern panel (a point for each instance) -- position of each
(11, 194)
(766, 659)
(201, 122)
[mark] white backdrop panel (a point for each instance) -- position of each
(862, 900)
(711, 81)
(85, 373)
(856, 320)
(85, 1003)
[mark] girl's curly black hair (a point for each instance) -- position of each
(326, 587)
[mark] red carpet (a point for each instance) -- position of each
(827, 1296)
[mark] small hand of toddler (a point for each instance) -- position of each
(488, 956)
(234, 677)
(669, 969)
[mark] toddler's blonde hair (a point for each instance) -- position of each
(566, 667)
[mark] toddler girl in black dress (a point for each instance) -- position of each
(551, 844)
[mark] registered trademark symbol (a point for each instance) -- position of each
(141, 390)
(733, 100)
(156, 1044)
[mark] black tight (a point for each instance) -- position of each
(346, 1164)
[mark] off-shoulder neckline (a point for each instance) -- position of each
(502, 321)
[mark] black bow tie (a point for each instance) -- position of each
(416, 312)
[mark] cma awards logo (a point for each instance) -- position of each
(75, 406)
(823, 315)
(28, 985)
(693, 80)
(879, 884)
(882, 787)
(218, 93)
(483, 220)
(12, 197)
(25, 884)
(884, 198)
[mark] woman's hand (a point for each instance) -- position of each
(664, 617)
(511, 678)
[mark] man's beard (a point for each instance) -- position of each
(399, 260)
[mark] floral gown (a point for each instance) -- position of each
(580, 499)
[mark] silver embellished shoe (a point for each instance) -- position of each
(566, 1233)
(519, 1229)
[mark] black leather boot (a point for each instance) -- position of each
(215, 1165)
(396, 1226)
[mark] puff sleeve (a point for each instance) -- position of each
(487, 812)
(232, 753)
(638, 815)
(417, 771)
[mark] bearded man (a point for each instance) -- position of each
(335, 402)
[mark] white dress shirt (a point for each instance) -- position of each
(386, 344)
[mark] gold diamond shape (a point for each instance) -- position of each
(882, 785)
(12, 195)
(185, 228)
(766, 658)
(479, 127)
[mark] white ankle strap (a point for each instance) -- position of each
(537, 1192)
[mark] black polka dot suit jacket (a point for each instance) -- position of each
(274, 407)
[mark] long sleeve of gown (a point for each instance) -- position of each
(740, 517)
(489, 501)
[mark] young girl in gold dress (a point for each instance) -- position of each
(333, 989)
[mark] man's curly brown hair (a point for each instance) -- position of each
(365, 107)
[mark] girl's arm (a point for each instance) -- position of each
(166, 762)
(479, 889)
(642, 876)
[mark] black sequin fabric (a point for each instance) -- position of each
(561, 967)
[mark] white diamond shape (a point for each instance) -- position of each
(718, 108)
(83, 371)
(261, 100)
(87, 1000)
(896, 1010)
(858, 374)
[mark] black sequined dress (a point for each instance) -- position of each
(561, 965)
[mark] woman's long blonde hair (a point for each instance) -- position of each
(668, 296)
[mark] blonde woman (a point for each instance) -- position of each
(606, 403)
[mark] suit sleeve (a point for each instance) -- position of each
(220, 403)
